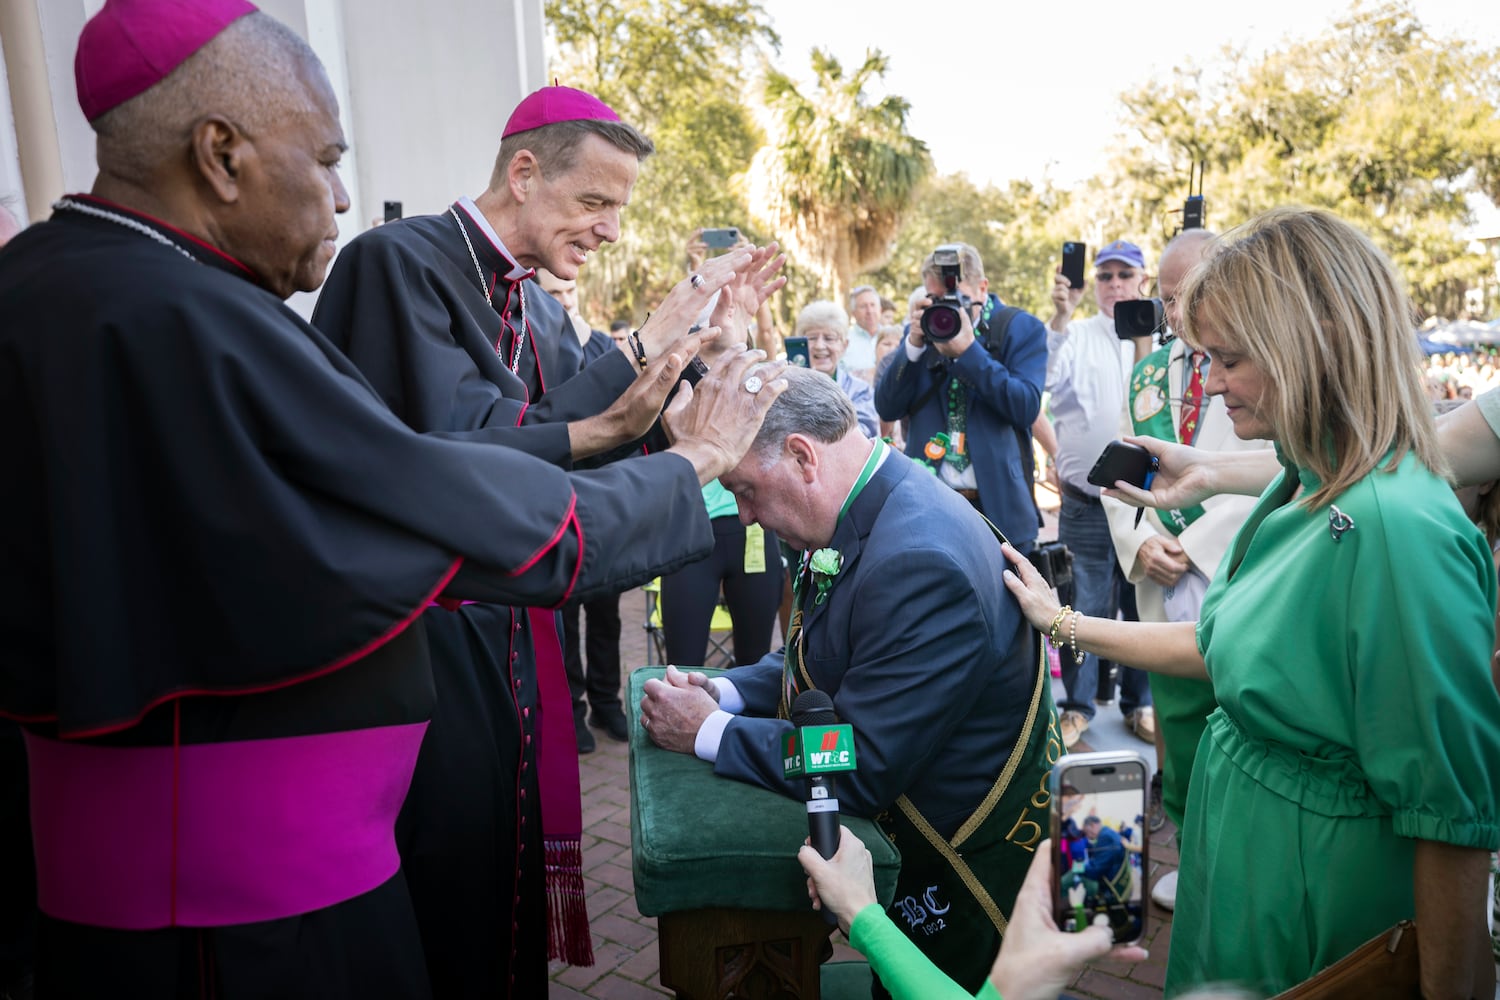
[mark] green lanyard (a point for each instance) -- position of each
(871, 464)
(792, 661)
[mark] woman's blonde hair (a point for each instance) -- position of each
(1316, 306)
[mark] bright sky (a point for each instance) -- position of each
(1045, 77)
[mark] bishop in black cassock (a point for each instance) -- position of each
(405, 303)
(442, 317)
(219, 542)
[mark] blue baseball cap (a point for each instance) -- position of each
(1127, 253)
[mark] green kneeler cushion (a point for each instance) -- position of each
(845, 981)
(700, 841)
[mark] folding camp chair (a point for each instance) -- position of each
(720, 651)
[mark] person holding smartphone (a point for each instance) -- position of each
(1355, 749)
(1036, 960)
(1088, 370)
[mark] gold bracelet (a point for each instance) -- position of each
(1055, 631)
(1073, 640)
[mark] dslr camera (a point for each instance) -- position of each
(943, 319)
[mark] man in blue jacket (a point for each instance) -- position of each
(972, 399)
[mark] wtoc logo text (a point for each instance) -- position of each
(818, 750)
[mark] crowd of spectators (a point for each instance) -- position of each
(1462, 374)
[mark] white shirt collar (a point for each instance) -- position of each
(517, 272)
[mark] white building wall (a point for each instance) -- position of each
(424, 88)
(430, 88)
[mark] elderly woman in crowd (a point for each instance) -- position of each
(826, 327)
(1347, 780)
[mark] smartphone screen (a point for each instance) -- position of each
(796, 352)
(1074, 259)
(1099, 842)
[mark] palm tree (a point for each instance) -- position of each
(838, 173)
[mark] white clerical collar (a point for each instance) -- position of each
(517, 272)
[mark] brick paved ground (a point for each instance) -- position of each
(625, 942)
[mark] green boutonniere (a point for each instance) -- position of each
(825, 565)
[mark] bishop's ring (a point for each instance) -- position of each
(696, 280)
(753, 384)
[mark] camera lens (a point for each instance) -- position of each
(941, 321)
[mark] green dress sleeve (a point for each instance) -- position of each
(906, 972)
(1426, 715)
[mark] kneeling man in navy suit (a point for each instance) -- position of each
(901, 617)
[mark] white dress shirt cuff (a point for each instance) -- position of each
(913, 353)
(730, 699)
(710, 734)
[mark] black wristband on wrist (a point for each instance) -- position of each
(694, 372)
(634, 340)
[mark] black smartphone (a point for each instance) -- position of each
(1075, 259)
(1120, 461)
(1100, 846)
(721, 239)
(392, 211)
(796, 352)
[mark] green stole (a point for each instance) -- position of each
(1151, 417)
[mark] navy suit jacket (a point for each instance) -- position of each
(923, 650)
(1004, 394)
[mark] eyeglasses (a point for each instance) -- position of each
(1105, 277)
(825, 338)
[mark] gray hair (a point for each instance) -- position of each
(556, 146)
(256, 72)
(821, 313)
(812, 404)
(860, 291)
(970, 264)
(920, 295)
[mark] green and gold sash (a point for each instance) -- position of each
(1151, 416)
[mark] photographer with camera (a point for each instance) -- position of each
(1088, 368)
(969, 377)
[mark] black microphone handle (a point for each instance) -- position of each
(823, 827)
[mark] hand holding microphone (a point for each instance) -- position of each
(844, 884)
(816, 750)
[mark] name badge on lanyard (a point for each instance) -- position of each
(755, 549)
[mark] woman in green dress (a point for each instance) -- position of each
(1348, 779)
